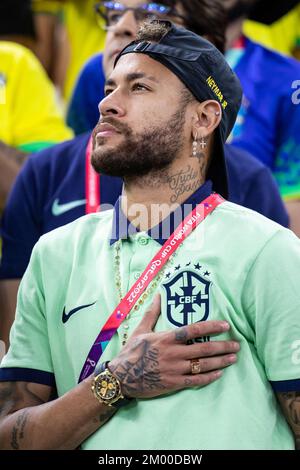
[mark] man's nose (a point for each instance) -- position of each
(127, 25)
(110, 106)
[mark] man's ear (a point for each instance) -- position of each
(208, 115)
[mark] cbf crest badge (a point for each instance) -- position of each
(187, 298)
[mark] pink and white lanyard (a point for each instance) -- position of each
(195, 217)
(92, 183)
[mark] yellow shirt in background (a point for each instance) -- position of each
(30, 118)
(84, 34)
(282, 35)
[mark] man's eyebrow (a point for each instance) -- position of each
(110, 82)
(131, 77)
(135, 76)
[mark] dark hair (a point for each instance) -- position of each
(204, 17)
(16, 18)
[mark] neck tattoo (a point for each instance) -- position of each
(185, 181)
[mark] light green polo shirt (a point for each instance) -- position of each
(236, 266)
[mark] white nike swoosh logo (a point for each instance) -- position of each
(58, 209)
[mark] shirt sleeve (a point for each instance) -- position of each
(29, 357)
(271, 296)
(37, 120)
(20, 225)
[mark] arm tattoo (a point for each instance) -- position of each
(18, 430)
(290, 402)
(106, 415)
(143, 374)
(17, 397)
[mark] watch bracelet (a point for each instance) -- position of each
(101, 367)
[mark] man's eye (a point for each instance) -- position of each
(108, 91)
(113, 18)
(138, 87)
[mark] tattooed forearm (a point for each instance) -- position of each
(18, 430)
(144, 374)
(292, 400)
(290, 403)
(105, 416)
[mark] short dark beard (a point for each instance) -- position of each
(141, 154)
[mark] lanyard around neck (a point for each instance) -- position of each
(195, 217)
(92, 183)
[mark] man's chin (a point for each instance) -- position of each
(102, 163)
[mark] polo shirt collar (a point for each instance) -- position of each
(123, 229)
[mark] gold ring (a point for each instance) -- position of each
(195, 366)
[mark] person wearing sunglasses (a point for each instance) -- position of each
(121, 20)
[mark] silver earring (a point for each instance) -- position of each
(203, 143)
(217, 113)
(195, 148)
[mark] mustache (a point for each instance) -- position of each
(121, 127)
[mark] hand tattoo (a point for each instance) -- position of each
(143, 374)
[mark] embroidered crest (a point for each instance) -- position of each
(187, 298)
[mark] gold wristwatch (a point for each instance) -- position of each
(106, 387)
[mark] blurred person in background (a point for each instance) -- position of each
(30, 118)
(268, 124)
(275, 25)
(68, 35)
(53, 188)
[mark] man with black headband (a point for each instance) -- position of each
(170, 103)
(268, 124)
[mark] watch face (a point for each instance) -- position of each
(106, 387)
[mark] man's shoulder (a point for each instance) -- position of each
(79, 232)
(244, 223)
(242, 235)
(60, 154)
(12, 54)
